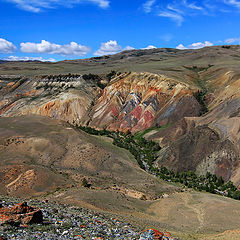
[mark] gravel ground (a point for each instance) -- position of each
(65, 222)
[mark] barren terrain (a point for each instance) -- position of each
(187, 101)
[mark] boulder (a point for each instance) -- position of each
(20, 214)
(153, 234)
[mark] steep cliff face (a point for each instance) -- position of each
(138, 101)
(201, 149)
(210, 143)
(132, 101)
(68, 98)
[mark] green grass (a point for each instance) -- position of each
(140, 134)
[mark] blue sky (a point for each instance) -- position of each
(72, 29)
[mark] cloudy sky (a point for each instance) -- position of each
(54, 30)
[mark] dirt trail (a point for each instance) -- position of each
(187, 198)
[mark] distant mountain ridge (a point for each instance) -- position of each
(167, 61)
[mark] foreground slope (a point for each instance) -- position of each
(48, 158)
(31, 145)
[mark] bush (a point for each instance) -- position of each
(85, 183)
(110, 75)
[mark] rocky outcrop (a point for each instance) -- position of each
(210, 143)
(138, 101)
(65, 98)
(201, 149)
(26, 179)
(155, 234)
(20, 214)
(131, 101)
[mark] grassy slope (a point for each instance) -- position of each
(171, 62)
(141, 134)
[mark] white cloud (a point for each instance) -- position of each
(149, 47)
(15, 58)
(108, 48)
(38, 5)
(179, 10)
(200, 45)
(181, 47)
(6, 46)
(51, 48)
(233, 3)
(232, 40)
(101, 3)
(192, 5)
(128, 48)
(172, 15)
(147, 6)
(174, 9)
(195, 45)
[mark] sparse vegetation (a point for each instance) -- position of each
(145, 152)
(85, 183)
(201, 98)
(226, 46)
(91, 77)
(94, 78)
(140, 134)
(198, 69)
(110, 75)
(200, 95)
